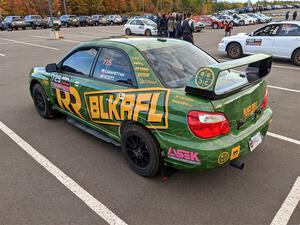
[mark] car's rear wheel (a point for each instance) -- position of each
(148, 32)
(41, 102)
(234, 51)
(128, 32)
(141, 150)
(33, 26)
(296, 57)
(215, 26)
(242, 23)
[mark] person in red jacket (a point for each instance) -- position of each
(228, 28)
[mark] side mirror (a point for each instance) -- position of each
(52, 67)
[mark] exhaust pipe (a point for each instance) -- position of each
(237, 164)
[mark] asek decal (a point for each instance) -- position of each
(204, 78)
(223, 158)
(235, 152)
(147, 105)
(184, 156)
(247, 111)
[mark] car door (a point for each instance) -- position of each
(140, 27)
(287, 34)
(109, 82)
(72, 75)
(261, 41)
(133, 27)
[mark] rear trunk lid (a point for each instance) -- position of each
(236, 94)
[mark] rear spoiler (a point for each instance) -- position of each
(204, 82)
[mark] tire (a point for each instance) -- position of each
(97, 23)
(242, 23)
(33, 26)
(41, 102)
(128, 32)
(24, 28)
(296, 57)
(148, 33)
(215, 26)
(234, 51)
(140, 150)
(111, 23)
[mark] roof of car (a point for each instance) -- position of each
(286, 22)
(141, 43)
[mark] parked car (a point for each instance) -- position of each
(99, 20)
(2, 27)
(140, 26)
(228, 18)
(252, 20)
(35, 21)
(280, 39)
(114, 19)
(56, 22)
(85, 21)
(198, 26)
(14, 22)
(209, 21)
(260, 19)
(240, 20)
(69, 20)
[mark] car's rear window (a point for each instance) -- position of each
(176, 65)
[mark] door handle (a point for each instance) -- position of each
(122, 95)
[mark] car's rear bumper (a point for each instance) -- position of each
(209, 151)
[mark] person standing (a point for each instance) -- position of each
(163, 26)
(171, 26)
(178, 30)
(188, 29)
(158, 19)
(228, 28)
(287, 15)
(295, 15)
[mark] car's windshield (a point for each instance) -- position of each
(36, 17)
(176, 65)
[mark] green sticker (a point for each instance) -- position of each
(204, 78)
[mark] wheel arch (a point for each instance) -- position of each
(296, 49)
(32, 83)
(233, 42)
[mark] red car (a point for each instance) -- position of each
(209, 21)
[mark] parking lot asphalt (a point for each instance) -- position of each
(30, 195)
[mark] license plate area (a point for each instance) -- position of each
(255, 141)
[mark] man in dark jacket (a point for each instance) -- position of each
(295, 15)
(188, 29)
(158, 19)
(178, 31)
(287, 15)
(163, 26)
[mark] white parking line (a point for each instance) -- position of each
(290, 203)
(84, 36)
(45, 37)
(30, 44)
(102, 32)
(284, 138)
(284, 89)
(2, 55)
(100, 209)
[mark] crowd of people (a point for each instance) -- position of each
(173, 25)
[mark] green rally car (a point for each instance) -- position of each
(164, 101)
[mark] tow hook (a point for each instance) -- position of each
(237, 164)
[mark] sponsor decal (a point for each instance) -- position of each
(223, 158)
(61, 82)
(184, 156)
(250, 109)
(235, 152)
(69, 101)
(148, 105)
(254, 42)
(107, 61)
(204, 78)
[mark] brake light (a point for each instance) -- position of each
(207, 124)
(265, 101)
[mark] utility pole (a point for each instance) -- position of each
(143, 6)
(50, 12)
(65, 7)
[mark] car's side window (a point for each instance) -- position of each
(113, 66)
(133, 22)
(140, 23)
(289, 30)
(80, 62)
(270, 30)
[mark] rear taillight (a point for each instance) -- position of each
(207, 124)
(265, 101)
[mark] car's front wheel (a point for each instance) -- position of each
(148, 32)
(128, 32)
(296, 57)
(41, 102)
(234, 51)
(215, 26)
(141, 150)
